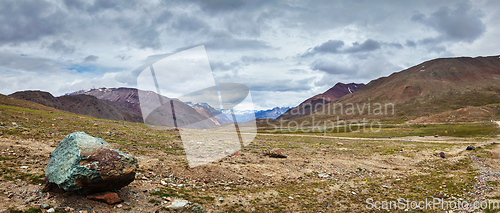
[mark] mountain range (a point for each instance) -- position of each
(125, 104)
(439, 90)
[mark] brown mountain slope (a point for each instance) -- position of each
(91, 106)
(41, 97)
(129, 100)
(11, 101)
(81, 104)
(429, 88)
(315, 102)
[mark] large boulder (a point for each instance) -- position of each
(88, 165)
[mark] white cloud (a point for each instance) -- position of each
(257, 43)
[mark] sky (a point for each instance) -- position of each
(284, 51)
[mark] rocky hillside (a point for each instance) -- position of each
(81, 104)
(315, 102)
(432, 87)
(121, 104)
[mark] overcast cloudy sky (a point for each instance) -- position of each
(285, 51)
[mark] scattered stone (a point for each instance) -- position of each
(88, 165)
(323, 176)
(275, 153)
(119, 206)
(470, 148)
(178, 204)
(106, 197)
(442, 155)
(24, 167)
(221, 199)
(51, 210)
(45, 206)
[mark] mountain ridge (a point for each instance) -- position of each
(311, 104)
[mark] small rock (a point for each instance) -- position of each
(178, 204)
(470, 148)
(44, 206)
(106, 197)
(323, 176)
(442, 155)
(275, 153)
(51, 210)
(119, 206)
(221, 199)
(24, 167)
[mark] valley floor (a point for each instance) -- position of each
(320, 174)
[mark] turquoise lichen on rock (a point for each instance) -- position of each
(86, 164)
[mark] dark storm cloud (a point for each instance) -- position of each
(61, 46)
(367, 46)
(337, 47)
(331, 46)
(90, 58)
(394, 45)
(224, 6)
(231, 44)
(27, 63)
(460, 24)
(146, 36)
(410, 43)
(332, 67)
(25, 21)
(100, 5)
(188, 24)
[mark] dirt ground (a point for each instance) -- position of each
(320, 174)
